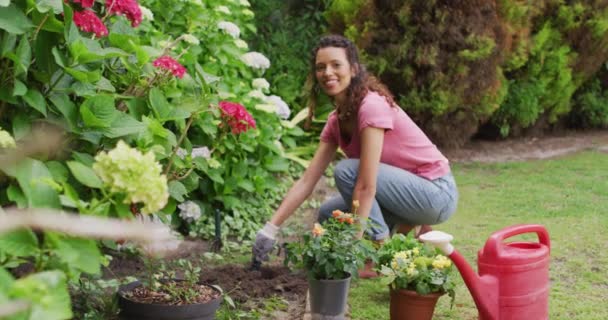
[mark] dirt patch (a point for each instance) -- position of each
(243, 285)
(522, 149)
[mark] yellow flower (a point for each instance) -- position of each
(318, 230)
(441, 262)
(416, 251)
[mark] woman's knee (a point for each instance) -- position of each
(345, 172)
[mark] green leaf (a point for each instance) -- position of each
(246, 184)
(19, 88)
(84, 174)
(105, 85)
(48, 294)
(162, 109)
(80, 255)
(84, 158)
(123, 125)
(8, 44)
(14, 21)
(64, 104)
(80, 73)
(33, 177)
(59, 58)
(6, 280)
(22, 57)
(46, 5)
(58, 171)
(159, 104)
(16, 195)
(36, 100)
(177, 190)
(87, 50)
(22, 126)
(22, 243)
(276, 164)
(99, 111)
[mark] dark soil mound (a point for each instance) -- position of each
(243, 284)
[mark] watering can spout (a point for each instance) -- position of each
(484, 289)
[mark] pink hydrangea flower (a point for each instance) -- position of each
(168, 63)
(236, 116)
(84, 3)
(88, 21)
(128, 8)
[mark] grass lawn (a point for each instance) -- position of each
(569, 196)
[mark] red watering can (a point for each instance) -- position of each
(513, 280)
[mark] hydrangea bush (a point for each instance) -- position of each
(154, 97)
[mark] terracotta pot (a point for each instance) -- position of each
(409, 305)
(134, 310)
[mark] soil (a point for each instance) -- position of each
(197, 293)
(250, 288)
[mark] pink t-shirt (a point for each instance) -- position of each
(405, 145)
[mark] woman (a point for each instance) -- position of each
(395, 172)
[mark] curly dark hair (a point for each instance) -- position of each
(360, 84)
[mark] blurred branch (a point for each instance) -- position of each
(39, 142)
(153, 236)
(13, 307)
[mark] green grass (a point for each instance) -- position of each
(569, 196)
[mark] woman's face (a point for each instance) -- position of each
(333, 71)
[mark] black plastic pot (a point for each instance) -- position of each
(133, 310)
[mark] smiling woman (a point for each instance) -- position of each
(396, 173)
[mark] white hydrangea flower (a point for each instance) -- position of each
(202, 152)
(260, 83)
(181, 153)
(189, 211)
(6, 140)
(146, 13)
(223, 9)
(190, 39)
(126, 170)
(256, 60)
(244, 3)
(241, 44)
(230, 28)
(248, 13)
(270, 108)
(257, 94)
(283, 109)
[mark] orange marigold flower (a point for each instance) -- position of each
(337, 213)
(350, 220)
(318, 230)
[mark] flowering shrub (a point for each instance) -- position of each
(331, 250)
(170, 64)
(88, 21)
(138, 176)
(407, 263)
(237, 117)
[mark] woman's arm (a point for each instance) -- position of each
(305, 185)
(371, 150)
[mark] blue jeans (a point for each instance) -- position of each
(401, 197)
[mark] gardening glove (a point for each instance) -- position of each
(264, 242)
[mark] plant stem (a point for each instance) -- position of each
(40, 27)
(179, 142)
(56, 82)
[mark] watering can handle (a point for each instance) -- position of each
(495, 241)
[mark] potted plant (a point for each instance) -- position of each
(163, 296)
(417, 276)
(330, 254)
